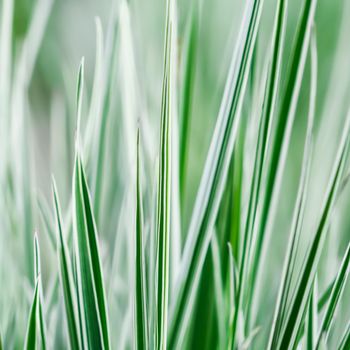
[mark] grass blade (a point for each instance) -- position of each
(30, 341)
(345, 341)
(337, 291)
(298, 304)
(91, 293)
(214, 176)
(163, 203)
(37, 274)
(285, 119)
(311, 324)
(89, 272)
(140, 297)
(299, 210)
(66, 276)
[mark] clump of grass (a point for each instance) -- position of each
(128, 263)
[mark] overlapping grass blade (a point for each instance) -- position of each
(163, 201)
(66, 277)
(311, 324)
(31, 336)
(285, 119)
(288, 268)
(37, 276)
(337, 291)
(307, 275)
(140, 282)
(214, 176)
(345, 341)
(89, 271)
(264, 125)
(91, 293)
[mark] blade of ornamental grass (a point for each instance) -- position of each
(31, 336)
(214, 175)
(66, 276)
(141, 324)
(91, 293)
(279, 147)
(337, 291)
(37, 274)
(311, 322)
(163, 202)
(298, 215)
(265, 124)
(345, 341)
(308, 271)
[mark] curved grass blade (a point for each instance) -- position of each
(30, 341)
(214, 176)
(337, 291)
(140, 295)
(303, 289)
(163, 202)
(66, 277)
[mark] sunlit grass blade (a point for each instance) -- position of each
(66, 276)
(163, 201)
(307, 275)
(214, 175)
(337, 291)
(140, 293)
(31, 336)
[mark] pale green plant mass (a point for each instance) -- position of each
(179, 182)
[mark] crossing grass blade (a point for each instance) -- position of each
(337, 291)
(141, 324)
(264, 125)
(214, 175)
(284, 290)
(308, 271)
(285, 120)
(311, 324)
(163, 201)
(31, 336)
(47, 219)
(345, 341)
(66, 276)
(37, 275)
